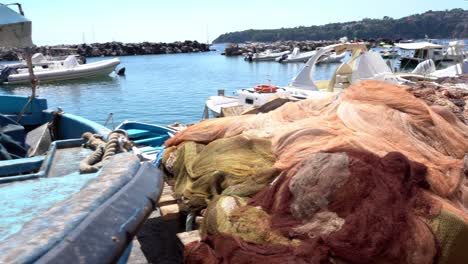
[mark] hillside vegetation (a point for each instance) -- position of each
(435, 24)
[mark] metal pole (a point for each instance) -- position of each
(33, 79)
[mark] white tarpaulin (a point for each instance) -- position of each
(15, 29)
(370, 66)
(418, 45)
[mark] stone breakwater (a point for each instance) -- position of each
(236, 49)
(111, 49)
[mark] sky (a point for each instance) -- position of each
(78, 21)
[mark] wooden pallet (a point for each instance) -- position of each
(168, 207)
(168, 210)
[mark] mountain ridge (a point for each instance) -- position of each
(435, 24)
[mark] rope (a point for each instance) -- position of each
(117, 142)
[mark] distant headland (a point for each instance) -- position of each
(434, 24)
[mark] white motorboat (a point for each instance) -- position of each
(267, 55)
(296, 56)
(58, 70)
(455, 51)
(38, 59)
(452, 71)
(363, 65)
(215, 104)
(427, 69)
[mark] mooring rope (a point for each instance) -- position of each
(117, 142)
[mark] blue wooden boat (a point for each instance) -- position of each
(148, 139)
(51, 213)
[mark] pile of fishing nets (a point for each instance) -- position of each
(373, 175)
(451, 93)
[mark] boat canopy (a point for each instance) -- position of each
(15, 29)
(418, 45)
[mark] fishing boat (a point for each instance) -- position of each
(296, 56)
(57, 70)
(267, 55)
(51, 211)
(415, 53)
(363, 65)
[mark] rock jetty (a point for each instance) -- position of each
(236, 49)
(112, 49)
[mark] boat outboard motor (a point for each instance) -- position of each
(248, 57)
(5, 72)
(283, 57)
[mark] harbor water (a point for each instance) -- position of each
(163, 89)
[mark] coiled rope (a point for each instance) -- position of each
(117, 142)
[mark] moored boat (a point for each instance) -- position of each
(296, 56)
(68, 70)
(332, 58)
(415, 53)
(267, 55)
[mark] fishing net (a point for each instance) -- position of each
(372, 116)
(374, 213)
(373, 175)
(240, 165)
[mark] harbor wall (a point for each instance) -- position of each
(111, 49)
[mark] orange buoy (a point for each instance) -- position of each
(265, 88)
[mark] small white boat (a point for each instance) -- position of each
(215, 104)
(428, 69)
(332, 58)
(455, 51)
(56, 71)
(452, 71)
(296, 56)
(267, 55)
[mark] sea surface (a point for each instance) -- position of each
(163, 89)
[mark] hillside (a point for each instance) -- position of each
(435, 24)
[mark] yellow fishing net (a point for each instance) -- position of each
(240, 164)
(452, 234)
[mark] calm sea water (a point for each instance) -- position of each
(163, 88)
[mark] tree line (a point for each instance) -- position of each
(434, 24)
